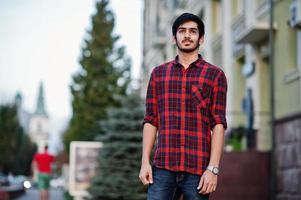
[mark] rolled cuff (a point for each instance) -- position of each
(150, 119)
(218, 120)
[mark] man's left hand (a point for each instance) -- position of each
(207, 183)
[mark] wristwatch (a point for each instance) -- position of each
(213, 169)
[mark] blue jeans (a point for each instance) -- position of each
(169, 185)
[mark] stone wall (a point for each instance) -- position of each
(288, 158)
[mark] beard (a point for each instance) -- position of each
(189, 50)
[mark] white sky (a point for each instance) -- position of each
(40, 41)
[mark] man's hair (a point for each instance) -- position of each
(185, 17)
(46, 147)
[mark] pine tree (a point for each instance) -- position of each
(104, 74)
(16, 149)
(120, 157)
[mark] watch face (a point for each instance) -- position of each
(215, 170)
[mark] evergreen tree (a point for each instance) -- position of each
(120, 157)
(104, 74)
(16, 149)
(24, 155)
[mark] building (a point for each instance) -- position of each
(23, 115)
(35, 124)
(237, 40)
(39, 122)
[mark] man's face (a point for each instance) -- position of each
(187, 37)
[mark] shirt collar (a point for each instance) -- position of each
(196, 63)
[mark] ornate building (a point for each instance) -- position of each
(39, 122)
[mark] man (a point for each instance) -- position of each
(43, 161)
(186, 104)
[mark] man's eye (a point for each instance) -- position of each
(193, 31)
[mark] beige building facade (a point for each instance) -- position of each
(236, 39)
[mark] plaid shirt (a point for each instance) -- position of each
(185, 105)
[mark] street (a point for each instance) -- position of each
(33, 194)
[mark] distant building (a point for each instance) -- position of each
(23, 115)
(39, 122)
(35, 124)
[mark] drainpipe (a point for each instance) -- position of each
(273, 180)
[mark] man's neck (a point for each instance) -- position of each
(186, 59)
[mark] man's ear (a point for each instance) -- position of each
(201, 40)
(174, 39)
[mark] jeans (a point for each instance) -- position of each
(169, 185)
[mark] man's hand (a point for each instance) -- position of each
(207, 183)
(146, 174)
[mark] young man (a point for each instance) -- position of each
(43, 161)
(186, 104)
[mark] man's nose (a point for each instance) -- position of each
(187, 34)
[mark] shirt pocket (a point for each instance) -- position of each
(200, 96)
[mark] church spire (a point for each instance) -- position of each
(40, 109)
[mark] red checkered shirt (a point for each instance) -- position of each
(185, 105)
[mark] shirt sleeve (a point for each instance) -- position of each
(219, 101)
(151, 112)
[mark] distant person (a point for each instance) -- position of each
(248, 108)
(42, 162)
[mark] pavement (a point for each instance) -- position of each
(33, 194)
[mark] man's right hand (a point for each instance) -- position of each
(146, 174)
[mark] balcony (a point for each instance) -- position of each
(255, 34)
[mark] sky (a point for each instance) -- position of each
(41, 41)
